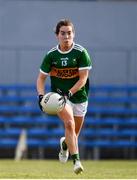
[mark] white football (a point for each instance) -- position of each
(52, 103)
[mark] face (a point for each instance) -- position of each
(65, 38)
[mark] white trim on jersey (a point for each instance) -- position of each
(78, 47)
(43, 72)
(51, 50)
(82, 68)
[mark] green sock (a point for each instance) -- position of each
(64, 145)
(75, 157)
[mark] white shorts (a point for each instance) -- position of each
(79, 109)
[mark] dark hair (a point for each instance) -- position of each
(63, 22)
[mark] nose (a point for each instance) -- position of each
(66, 35)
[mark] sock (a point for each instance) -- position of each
(75, 157)
(64, 145)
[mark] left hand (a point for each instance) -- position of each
(67, 94)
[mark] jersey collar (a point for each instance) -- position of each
(65, 52)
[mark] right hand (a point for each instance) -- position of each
(40, 97)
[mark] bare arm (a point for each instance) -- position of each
(41, 83)
(83, 75)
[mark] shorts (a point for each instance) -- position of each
(79, 109)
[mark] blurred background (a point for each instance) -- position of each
(108, 29)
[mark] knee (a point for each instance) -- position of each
(70, 125)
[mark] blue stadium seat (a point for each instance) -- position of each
(114, 88)
(111, 99)
(18, 98)
(52, 143)
(8, 143)
(112, 110)
(109, 144)
(89, 121)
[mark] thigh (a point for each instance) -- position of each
(79, 111)
(78, 124)
(66, 114)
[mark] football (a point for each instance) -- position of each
(52, 103)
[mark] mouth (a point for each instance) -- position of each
(66, 41)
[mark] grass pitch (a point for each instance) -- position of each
(53, 169)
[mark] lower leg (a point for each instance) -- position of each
(78, 125)
(71, 138)
(74, 155)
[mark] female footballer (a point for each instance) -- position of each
(68, 66)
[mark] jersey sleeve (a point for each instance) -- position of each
(84, 61)
(46, 64)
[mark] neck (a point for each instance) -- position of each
(65, 47)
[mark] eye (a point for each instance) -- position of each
(69, 33)
(63, 33)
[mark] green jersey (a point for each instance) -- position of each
(64, 67)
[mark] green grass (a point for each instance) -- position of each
(53, 169)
